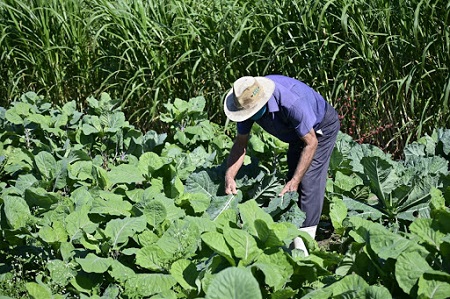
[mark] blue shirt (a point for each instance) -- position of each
(293, 110)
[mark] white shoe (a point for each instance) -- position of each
(311, 230)
(298, 242)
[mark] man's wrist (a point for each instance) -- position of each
(295, 180)
(229, 177)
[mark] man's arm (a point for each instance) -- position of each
(235, 161)
(304, 162)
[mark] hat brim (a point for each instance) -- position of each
(236, 114)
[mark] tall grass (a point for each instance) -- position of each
(383, 64)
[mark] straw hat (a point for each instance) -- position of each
(248, 95)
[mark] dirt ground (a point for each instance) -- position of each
(326, 238)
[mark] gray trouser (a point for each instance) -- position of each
(312, 187)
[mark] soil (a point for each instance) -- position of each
(326, 238)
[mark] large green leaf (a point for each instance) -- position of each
(155, 212)
(181, 239)
(81, 197)
(199, 202)
(434, 285)
(293, 215)
(113, 122)
(377, 292)
(361, 209)
(150, 162)
(321, 293)
(219, 204)
(187, 162)
(173, 212)
(203, 224)
(267, 189)
(281, 262)
(270, 236)
(46, 164)
(383, 242)
(67, 251)
(154, 258)
(25, 181)
(338, 212)
(87, 282)
(125, 173)
(444, 142)
(202, 130)
(54, 233)
(81, 171)
(120, 272)
(382, 176)
(358, 152)
(144, 285)
(279, 204)
(119, 230)
(61, 173)
(351, 286)
(197, 104)
(185, 272)
(60, 272)
(102, 178)
(285, 293)
(427, 166)
(201, 183)
(227, 218)
(243, 244)
(409, 267)
(347, 182)
(256, 144)
(420, 210)
(249, 212)
(16, 114)
(273, 275)
(173, 186)
(234, 283)
(38, 290)
(18, 159)
(91, 125)
(17, 211)
(94, 264)
(428, 232)
(78, 222)
(418, 193)
(111, 204)
(216, 242)
(38, 197)
(150, 140)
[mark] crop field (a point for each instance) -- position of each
(91, 207)
(113, 146)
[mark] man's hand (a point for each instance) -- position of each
(235, 161)
(306, 157)
(290, 186)
(230, 186)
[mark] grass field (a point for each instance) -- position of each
(383, 64)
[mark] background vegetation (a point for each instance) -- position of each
(383, 64)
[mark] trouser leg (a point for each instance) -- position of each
(312, 187)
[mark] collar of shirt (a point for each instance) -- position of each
(272, 105)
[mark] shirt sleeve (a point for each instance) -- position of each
(244, 127)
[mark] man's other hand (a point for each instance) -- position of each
(230, 186)
(290, 186)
